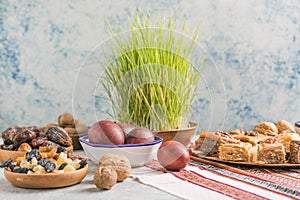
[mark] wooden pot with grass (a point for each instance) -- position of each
(149, 80)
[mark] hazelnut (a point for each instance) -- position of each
(25, 147)
(66, 120)
(105, 177)
(119, 163)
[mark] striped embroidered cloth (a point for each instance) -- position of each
(203, 179)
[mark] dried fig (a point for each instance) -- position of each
(105, 177)
(119, 163)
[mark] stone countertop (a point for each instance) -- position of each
(128, 189)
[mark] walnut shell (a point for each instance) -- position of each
(284, 126)
(119, 163)
(105, 177)
(66, 120)
(267, 128)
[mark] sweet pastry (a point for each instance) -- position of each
(286, 138)
(208, 142)
(237, 131)
(271, 153)
(241, 152)
(254, 138)
(283, 126)
(295, 151)
(266, 128)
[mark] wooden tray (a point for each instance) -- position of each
(212, 160)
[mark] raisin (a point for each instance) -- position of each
(22, 170)
(61, 149)
(8, 147)
(6, 163)
(11, 166)
(42, 162)
(82, 163)
(62, 166)
(33, 153)
(50, 166)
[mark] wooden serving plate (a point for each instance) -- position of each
(6, 154)
(211, 160)
(50, 180)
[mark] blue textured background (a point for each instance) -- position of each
(255, 46)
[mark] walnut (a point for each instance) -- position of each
(66, 120)
(105, 177)
(119, 163)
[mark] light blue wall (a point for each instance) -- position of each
(254, 47)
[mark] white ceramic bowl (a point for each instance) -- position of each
(137, 154)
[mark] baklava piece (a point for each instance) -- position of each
(237, 131)
(271, 153)
(286, 138)
(283, 126)
(242, 152)
(208, 142)
(266, 128)
(255, 138)
(295, 152)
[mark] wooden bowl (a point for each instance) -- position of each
(6, 154)
(183, 136)
(51, 180)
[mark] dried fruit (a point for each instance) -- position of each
(21, 170)
(59, 135)
(32, 154)
(119, 163)
(25, 147)
(50, 166)
(9, 134)
(62, 166)
(26, 134)
(105, 177)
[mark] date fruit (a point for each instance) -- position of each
(59, 136)
(106, 132)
